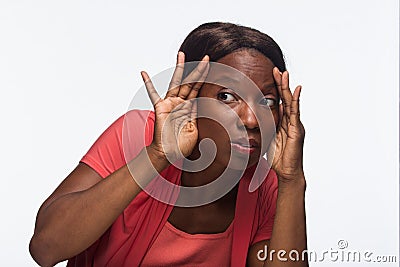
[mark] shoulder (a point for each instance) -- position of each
(120, 142)
(135, 118)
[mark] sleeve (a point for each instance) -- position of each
(119, 143)
(267, 206)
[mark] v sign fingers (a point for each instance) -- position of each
(193, 79)
(196, 87)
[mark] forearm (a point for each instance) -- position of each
(74, 221)
(289, 231)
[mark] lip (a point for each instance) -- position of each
(245, 146)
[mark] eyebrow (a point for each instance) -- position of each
(228, 80)
(225, 79)
(269, 87)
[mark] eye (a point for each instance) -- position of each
(270, 102)
(223, 96)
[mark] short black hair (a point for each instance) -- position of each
(218, 39)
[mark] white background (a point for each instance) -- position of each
(69, 68)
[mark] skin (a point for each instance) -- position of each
(217, 216)
(57, 234)
(257, 94)
(289, 230)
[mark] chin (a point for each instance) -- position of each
(242, 162)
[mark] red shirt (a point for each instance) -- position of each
(133, 233)
(174, 247)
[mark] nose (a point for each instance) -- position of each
(247, 116)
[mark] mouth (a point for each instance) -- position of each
(245, 146)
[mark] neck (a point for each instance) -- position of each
(214, 171)
(208, 175)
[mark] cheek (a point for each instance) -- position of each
(268, 126)
(209, 128)
(215, 118)
(217, 123)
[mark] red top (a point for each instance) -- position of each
(174, 247)
(133, 233)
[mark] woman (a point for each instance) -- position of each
(94, 221)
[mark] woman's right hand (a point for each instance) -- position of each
(175, 129)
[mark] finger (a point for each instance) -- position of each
(295, 107)
(196, 88)
(193, 77)
(151, 91)
(283, 121)
(286, 94)
(278, 80)
(176, 79)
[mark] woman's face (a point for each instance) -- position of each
(244, 105)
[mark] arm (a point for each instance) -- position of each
(84, 206)
(289, 232)
(288, 242)
(75, 215)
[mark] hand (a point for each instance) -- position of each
(288, 143)
(175, 129)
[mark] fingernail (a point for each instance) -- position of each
(180, 56)
(205, 57)
(278, 69)
(142, 74)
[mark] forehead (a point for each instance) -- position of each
(243, 68)
(247, 60)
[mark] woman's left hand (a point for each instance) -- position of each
(286, 150)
